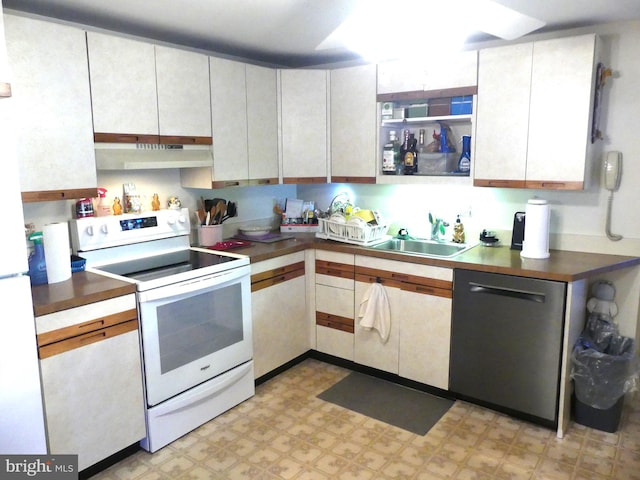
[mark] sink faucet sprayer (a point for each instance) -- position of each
(437, 227)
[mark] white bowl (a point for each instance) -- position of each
(254, 231)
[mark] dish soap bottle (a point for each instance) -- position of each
(37, 264)
(458, 231)
(464, 164)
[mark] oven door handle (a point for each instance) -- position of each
(196, 285)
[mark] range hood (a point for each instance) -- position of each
(145, 156)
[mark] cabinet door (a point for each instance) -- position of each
(425, 334)
(455, 70)
(229, 120)
(353, 124)
(280, 328)
(123, 85)
(262, 124)
(502, 121)
(562, 84)
(303, 97)
(51, 104)
(184, 101)
(369, 349)
(93, 399)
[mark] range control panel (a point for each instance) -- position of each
(93, 233)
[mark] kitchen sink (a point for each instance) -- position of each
(420, 246)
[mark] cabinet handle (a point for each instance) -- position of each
(507, 292)
(92, 338)
(398, 276)
(93, 325)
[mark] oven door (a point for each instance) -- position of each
(194, 330)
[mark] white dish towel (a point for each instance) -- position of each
(375, 312)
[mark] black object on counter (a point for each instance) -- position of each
(517, 236)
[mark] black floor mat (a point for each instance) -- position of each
(388, 402)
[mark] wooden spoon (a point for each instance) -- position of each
(212, 216)
(221, 209)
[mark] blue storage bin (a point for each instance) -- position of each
(462, 105)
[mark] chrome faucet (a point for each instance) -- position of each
(437, 227)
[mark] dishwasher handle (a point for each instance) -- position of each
(507, 292)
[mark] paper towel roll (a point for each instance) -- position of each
(56, 251)
(536, 229)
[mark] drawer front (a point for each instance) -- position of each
(85, 313)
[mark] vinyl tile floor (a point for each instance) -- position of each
(285, 432)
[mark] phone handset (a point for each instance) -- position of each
(612, 176)
(612, 171)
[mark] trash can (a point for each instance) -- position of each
(604, 366)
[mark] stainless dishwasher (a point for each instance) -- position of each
(506, 343)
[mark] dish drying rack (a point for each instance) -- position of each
(349, 233)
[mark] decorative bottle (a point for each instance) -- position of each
(464, 164)
(410, 159)
(391, 155)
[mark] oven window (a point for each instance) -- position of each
(195, 327)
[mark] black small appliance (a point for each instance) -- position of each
(517, 235)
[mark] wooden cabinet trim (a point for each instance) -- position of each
(486, 182)
(335, 321)
(414, 283)
(104, 137)
(71, 331)
(360, 180)
(100, 137)
(276, 275)
(426, 94)
(185, 140)
(86, 339)
(335, 269)
(553, 185)
(229, 183)
(264, 181)
(304, 180)
(53, 195)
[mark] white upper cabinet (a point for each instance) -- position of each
(244, 118)
(184, 102)
(353, 124)
(562, 78)
(457, 69)
(123, 85)
(534, 111)
(140, 89)
(503, 112)
(303, 110)
(262, 124)
(229, 119)
(52, 108)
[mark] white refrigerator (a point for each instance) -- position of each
(22, 424)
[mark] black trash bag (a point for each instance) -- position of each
(604, 364)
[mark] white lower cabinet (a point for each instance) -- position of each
(425, 331)
(420, 305)
(334, 303)
(278, 306)
(92, 379)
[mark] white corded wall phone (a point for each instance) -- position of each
(612, 177)
(612, 171)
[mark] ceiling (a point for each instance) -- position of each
(284, 33)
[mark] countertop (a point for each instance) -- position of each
(82, 288)
(565, 266)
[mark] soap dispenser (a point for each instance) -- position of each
(37, 264)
